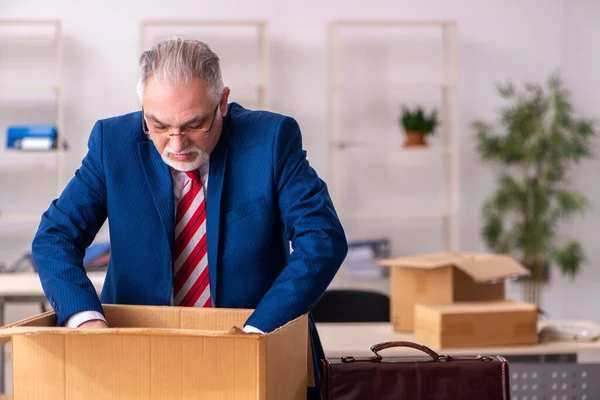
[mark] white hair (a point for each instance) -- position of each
(178, 61)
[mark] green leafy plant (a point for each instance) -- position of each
(537, 140)
(416, 121)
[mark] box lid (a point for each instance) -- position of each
(481, 267)
(481, 307)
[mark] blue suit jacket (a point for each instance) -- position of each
(261, 193)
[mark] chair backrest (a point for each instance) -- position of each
(350, 305)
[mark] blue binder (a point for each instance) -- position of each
(31, 137)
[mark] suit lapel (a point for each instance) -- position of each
(216, 174)
(158, 177)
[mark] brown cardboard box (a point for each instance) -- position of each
(445, 278)
(476, 324)
(158, 353)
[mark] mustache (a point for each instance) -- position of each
(184, 151)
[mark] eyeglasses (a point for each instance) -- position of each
(191, 131)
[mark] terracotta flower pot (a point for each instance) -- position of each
(414, 139)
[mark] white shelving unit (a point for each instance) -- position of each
(341, 148)
(16, 160)
(260, 28)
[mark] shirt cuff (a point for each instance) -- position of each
(251, 329)
(84, 316)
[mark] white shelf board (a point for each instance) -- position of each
(391, 23)
(200, 23)
(18, 218)
(15, 160)
(344, 280)
(392, 147)
(396, 213)
(29, 22)
(7, 87)
(400, 85)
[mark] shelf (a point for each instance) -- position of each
(397, 213)
(401, 85)
(345, 280)
(343, 85)
(28, 88)
(14, 160)
(29, 22)
(17, 218)
(392, 23)
(176, 22)
(391, 147)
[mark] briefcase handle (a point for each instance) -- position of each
(386, 345)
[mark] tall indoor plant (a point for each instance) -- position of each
(536, 141)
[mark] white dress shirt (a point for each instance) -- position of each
(179, 181)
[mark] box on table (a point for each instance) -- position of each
(445, 278)
(158, 352)
(476, 324)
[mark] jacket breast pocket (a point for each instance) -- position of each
(246, 209)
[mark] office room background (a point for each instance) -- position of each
(511, 40)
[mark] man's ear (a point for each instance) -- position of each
(224, 101)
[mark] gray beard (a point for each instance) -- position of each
(202, 159)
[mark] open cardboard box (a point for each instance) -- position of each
(158, 352)
(445, 278)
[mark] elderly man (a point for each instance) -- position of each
(202, 197)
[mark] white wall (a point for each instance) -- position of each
(499, 40)
(581, 66)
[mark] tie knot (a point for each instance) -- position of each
(193, 175)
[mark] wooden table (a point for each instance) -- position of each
(356, 339)
(17, 286)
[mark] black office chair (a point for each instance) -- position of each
(351, 305)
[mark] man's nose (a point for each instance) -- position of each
(177, 142)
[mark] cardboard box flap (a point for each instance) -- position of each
(310, 371)
(142, 320)
(4, 338)
(425, 261)
(135, 316)
(481, 267)
(47, 319)
(489, 267)
(7, 333)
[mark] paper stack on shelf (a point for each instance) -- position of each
(361, 260)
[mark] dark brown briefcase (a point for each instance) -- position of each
(438, 377)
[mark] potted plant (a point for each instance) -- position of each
(537, 140)
(417, 125)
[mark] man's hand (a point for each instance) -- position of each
(95, 324)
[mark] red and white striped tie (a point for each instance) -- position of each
(191, 286)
